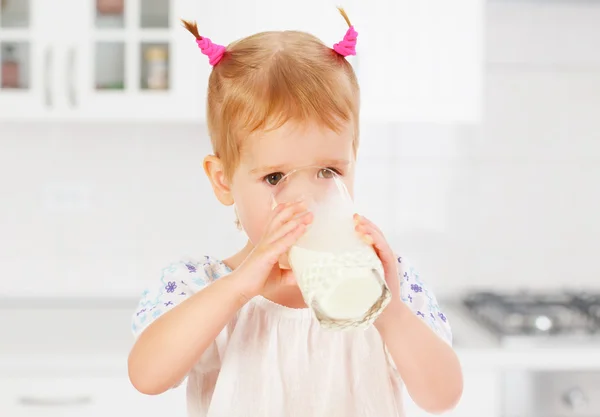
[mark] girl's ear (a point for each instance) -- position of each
(214, 169)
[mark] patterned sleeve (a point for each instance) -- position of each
(421, 300)
(177, 282)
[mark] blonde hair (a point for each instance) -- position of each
(267, 79)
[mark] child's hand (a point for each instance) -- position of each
(374, 237)
(288, 222)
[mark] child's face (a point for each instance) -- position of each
(266, 158)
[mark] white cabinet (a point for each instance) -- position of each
(84, 397)
(421, 61)
(480, 397)
(100, 59)
(418, 61)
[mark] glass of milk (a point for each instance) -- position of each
(340, 276)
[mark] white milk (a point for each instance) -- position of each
(335, 269)
(350, 292)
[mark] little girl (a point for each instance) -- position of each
(238, 328)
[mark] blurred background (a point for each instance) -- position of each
(480, 159)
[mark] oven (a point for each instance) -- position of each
(550, 393)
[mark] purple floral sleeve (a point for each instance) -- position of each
(421, 300)
(177, 282)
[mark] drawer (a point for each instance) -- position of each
(480, 397)
(84, 397)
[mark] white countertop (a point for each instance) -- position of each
(471, 359)
(94, 336)
(561, 358)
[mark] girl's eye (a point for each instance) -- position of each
(327, 173)
(274, 178)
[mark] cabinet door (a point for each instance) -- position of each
(131, 59)
(27, 59)
(84, 397)
(480, 397)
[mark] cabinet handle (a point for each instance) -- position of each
(48, 76)
(71, 63)
(55, 402)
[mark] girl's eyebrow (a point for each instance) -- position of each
(336, 162)
(286, 167)
(269, 168)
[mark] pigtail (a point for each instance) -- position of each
(345, 16)
(347, 46)
(213, 51)
(192, 27)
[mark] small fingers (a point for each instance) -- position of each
(364, 229)
(364, 234)
(303, 219)
(362, 220)
(285, 212)
(284, 243)
(374, 237)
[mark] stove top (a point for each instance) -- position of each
(536, 314)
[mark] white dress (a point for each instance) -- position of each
(275, 361)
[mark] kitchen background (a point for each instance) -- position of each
(480, 159)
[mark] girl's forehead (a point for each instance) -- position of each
(298, 145)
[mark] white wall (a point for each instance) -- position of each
(146, 203)
(512, 203)
(522, 205)
(534, 169)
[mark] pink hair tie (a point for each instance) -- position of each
(348, 45)
(213, 51)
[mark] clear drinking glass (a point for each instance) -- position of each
(340, 276)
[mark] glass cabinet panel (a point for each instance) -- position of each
(14, 65)
(154, 13)
(132, 45)
(154, 66)
(14, 14)
(110, 66)
(16, 54)
(110, 14)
